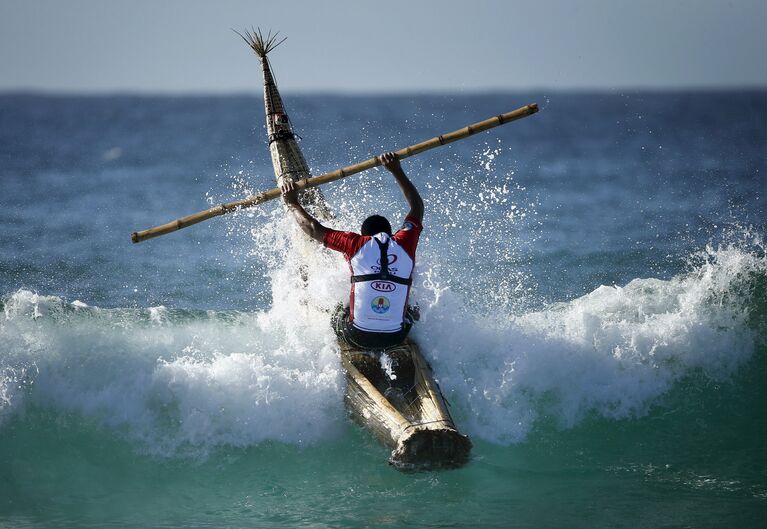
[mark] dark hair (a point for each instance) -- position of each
(375, 224)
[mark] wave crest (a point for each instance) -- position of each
(185, 382)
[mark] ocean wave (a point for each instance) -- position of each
(612, 352)
(188, 381)
(177, 381)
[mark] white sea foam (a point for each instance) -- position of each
(613, 351)
(387, 365)
(188, 382)
(177, 383)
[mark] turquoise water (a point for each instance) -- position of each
(591, 281)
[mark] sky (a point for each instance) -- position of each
(172, 46)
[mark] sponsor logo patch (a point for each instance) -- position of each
(383, 286)
(390, 258)
(392, 269)
(380, 305)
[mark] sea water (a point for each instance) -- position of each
(591, 282)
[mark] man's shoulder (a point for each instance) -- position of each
(346, 242)
(407, 236)
(410, 226)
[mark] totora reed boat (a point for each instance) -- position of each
(392, 392)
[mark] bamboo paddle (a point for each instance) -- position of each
(265, 196)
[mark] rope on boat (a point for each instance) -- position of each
(424, 423)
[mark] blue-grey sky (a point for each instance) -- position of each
(397, 45)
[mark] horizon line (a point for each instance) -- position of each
(257, 92)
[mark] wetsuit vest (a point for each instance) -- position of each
(381, 277)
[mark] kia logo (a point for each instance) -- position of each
(383, 286)
(391, 258)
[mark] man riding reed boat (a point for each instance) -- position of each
(378, 315)
(405, 410)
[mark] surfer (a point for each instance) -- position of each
(378, 315)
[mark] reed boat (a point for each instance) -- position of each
(392, 392)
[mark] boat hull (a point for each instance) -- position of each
(407, 413)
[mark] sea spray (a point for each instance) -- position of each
(185, 382)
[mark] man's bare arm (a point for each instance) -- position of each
(309, 224)
(390, 161)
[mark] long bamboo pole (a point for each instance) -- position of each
(265, 196)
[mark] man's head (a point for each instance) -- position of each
(375, 224)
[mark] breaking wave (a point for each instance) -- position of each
(187, 381)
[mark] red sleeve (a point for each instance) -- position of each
(407, 235)
(346, 242)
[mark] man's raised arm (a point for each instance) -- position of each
(390, 161)
(309, 224)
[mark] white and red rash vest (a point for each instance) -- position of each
(379, 293)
